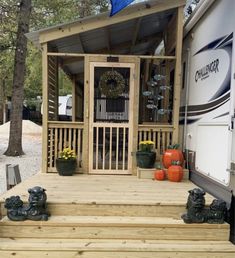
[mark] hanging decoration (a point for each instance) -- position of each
(112, 84)
(156, 86)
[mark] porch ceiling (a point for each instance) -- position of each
(139, 36)
(136, 36)
(137, 30)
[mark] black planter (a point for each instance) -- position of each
(66, 167)
(145, 159)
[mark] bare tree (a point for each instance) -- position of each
(15, 137)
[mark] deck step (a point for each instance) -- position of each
(157, 209)
(92, 208)
(89, 248)
(114, 227)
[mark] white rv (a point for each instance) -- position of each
(208, 99)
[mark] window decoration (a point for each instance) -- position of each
(112, 84)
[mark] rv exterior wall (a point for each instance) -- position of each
(211, 92)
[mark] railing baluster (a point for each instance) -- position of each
(74, 141)
(123, 150)
(79, 132)
(145, 135)
(110, 147)
(70, 138)
(163, 141)
(56, 143)
(97, 148)
(117, 147)
(154, 140)
(103, 166)
(51, 147)
(65, 138)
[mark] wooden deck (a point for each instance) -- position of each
(111, 216)
(105, 189)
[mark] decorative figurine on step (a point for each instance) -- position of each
(198, 213)
(195, 207)
(35, 210)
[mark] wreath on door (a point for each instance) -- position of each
(112, 84)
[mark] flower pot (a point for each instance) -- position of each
(66, 167)
(145, 159)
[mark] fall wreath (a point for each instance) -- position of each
(112, 84)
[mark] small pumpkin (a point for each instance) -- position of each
(175, 172)
(159, 174)
(172, 153)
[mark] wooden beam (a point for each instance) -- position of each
(45, 107)
(170, 35)
(107, 37)
(177, 82)
(81, 44)
(135, 34)
(105, 55)
(72, 60)
(135, 11)
(128, 44)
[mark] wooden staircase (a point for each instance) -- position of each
(113, 229)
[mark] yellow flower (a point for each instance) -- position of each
(146, 143)
(67, 154)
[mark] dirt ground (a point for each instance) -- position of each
(30, 163)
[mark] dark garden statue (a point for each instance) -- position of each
(34, 210)
(198, 213)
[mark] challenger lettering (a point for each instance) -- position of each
(205, 72)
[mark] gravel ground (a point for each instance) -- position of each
(29, 164)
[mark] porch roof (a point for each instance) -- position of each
(136, 30)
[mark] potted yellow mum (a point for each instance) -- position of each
(146, 156)
(66, 163)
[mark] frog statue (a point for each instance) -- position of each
(34, 210)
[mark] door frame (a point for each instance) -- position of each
(130, 124)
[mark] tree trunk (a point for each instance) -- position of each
(15, 138)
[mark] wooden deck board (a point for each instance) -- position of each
(89, 244)
(105, 190)
(89, 248)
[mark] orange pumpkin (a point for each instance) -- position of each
(175, 173)
(159, 174)
(171, 154)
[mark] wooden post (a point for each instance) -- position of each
(74, 100)
(177, 81)
(57, 89)
(135, 114)
(85, 145)
(45, 107)
(166, 93)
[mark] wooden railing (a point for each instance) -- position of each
(62, 135)
(110, 148)
(161, 135)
